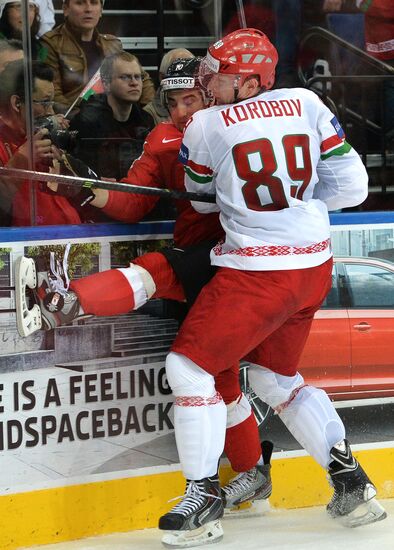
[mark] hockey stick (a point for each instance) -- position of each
(100, 184)
(241, 13)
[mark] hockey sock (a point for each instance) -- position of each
(199, 434)
(242, 427)
(111, 292)
(312, 419)
(199, 417)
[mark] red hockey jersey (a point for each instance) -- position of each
(158, 166)
(379, 28)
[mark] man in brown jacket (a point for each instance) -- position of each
(75, 51)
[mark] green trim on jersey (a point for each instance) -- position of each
(365, 5)
(195, 177)
(339, 151)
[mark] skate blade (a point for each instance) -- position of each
(366, 513)
(248, 509)
(211, 532)
(27, 320)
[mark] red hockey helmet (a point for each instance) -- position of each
(243, 52)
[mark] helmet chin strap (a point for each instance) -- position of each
(236, 89)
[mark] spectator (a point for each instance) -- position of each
(292, 18)
(112, 126)
(11, 24)
(75, 51)
(155, 107)
(379, 42)
(14, 151)
(10, 50)
(47, 16)
(288, 20)
(332, 5)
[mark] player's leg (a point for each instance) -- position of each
(243, 449)
(311, 417)
(172, 273)
(110, 292)
(192, 267)
(118, 291)
(217, 332)
(200, 424)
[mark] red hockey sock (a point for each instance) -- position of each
(242, 445)
(105, 293)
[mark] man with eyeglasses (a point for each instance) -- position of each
(15, 207)
(113, 123)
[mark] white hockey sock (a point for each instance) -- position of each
(312, 419)
(199, 433)
(306, 411)
(141, 282)
(199, 417)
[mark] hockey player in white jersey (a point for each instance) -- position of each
(277, 162)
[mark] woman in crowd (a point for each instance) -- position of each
(11, 24)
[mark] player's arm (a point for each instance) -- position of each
(127, 207)
(199, 174)
(343, 179)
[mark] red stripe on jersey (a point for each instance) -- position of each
(197, 401)
(331, 142)
(280, 250)
(280, 408)
(199, 168)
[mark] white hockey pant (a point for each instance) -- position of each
(306, 411)
(199, 417)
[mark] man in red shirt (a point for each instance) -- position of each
(176, 274)
(15, 195)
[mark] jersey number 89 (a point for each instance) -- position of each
(301, 176)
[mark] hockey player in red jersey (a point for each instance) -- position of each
(276, 160)
(176, 274)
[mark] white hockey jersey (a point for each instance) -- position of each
(277, 162)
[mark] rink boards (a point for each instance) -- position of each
(114, 505)
(54, 441)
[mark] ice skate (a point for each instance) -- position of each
(27, 320)
(55, 305)
(246, 494)
(353, 502)
(196, 519)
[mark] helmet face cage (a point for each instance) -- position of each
(242, 53)
(181, 75)
(207, 72)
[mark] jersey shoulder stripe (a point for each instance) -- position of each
(199, 169)
(199, 173)
(338, 151)
(331, 143)
(198, 177)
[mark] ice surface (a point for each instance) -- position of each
(301, 529)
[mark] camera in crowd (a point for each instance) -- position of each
(63, 139)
